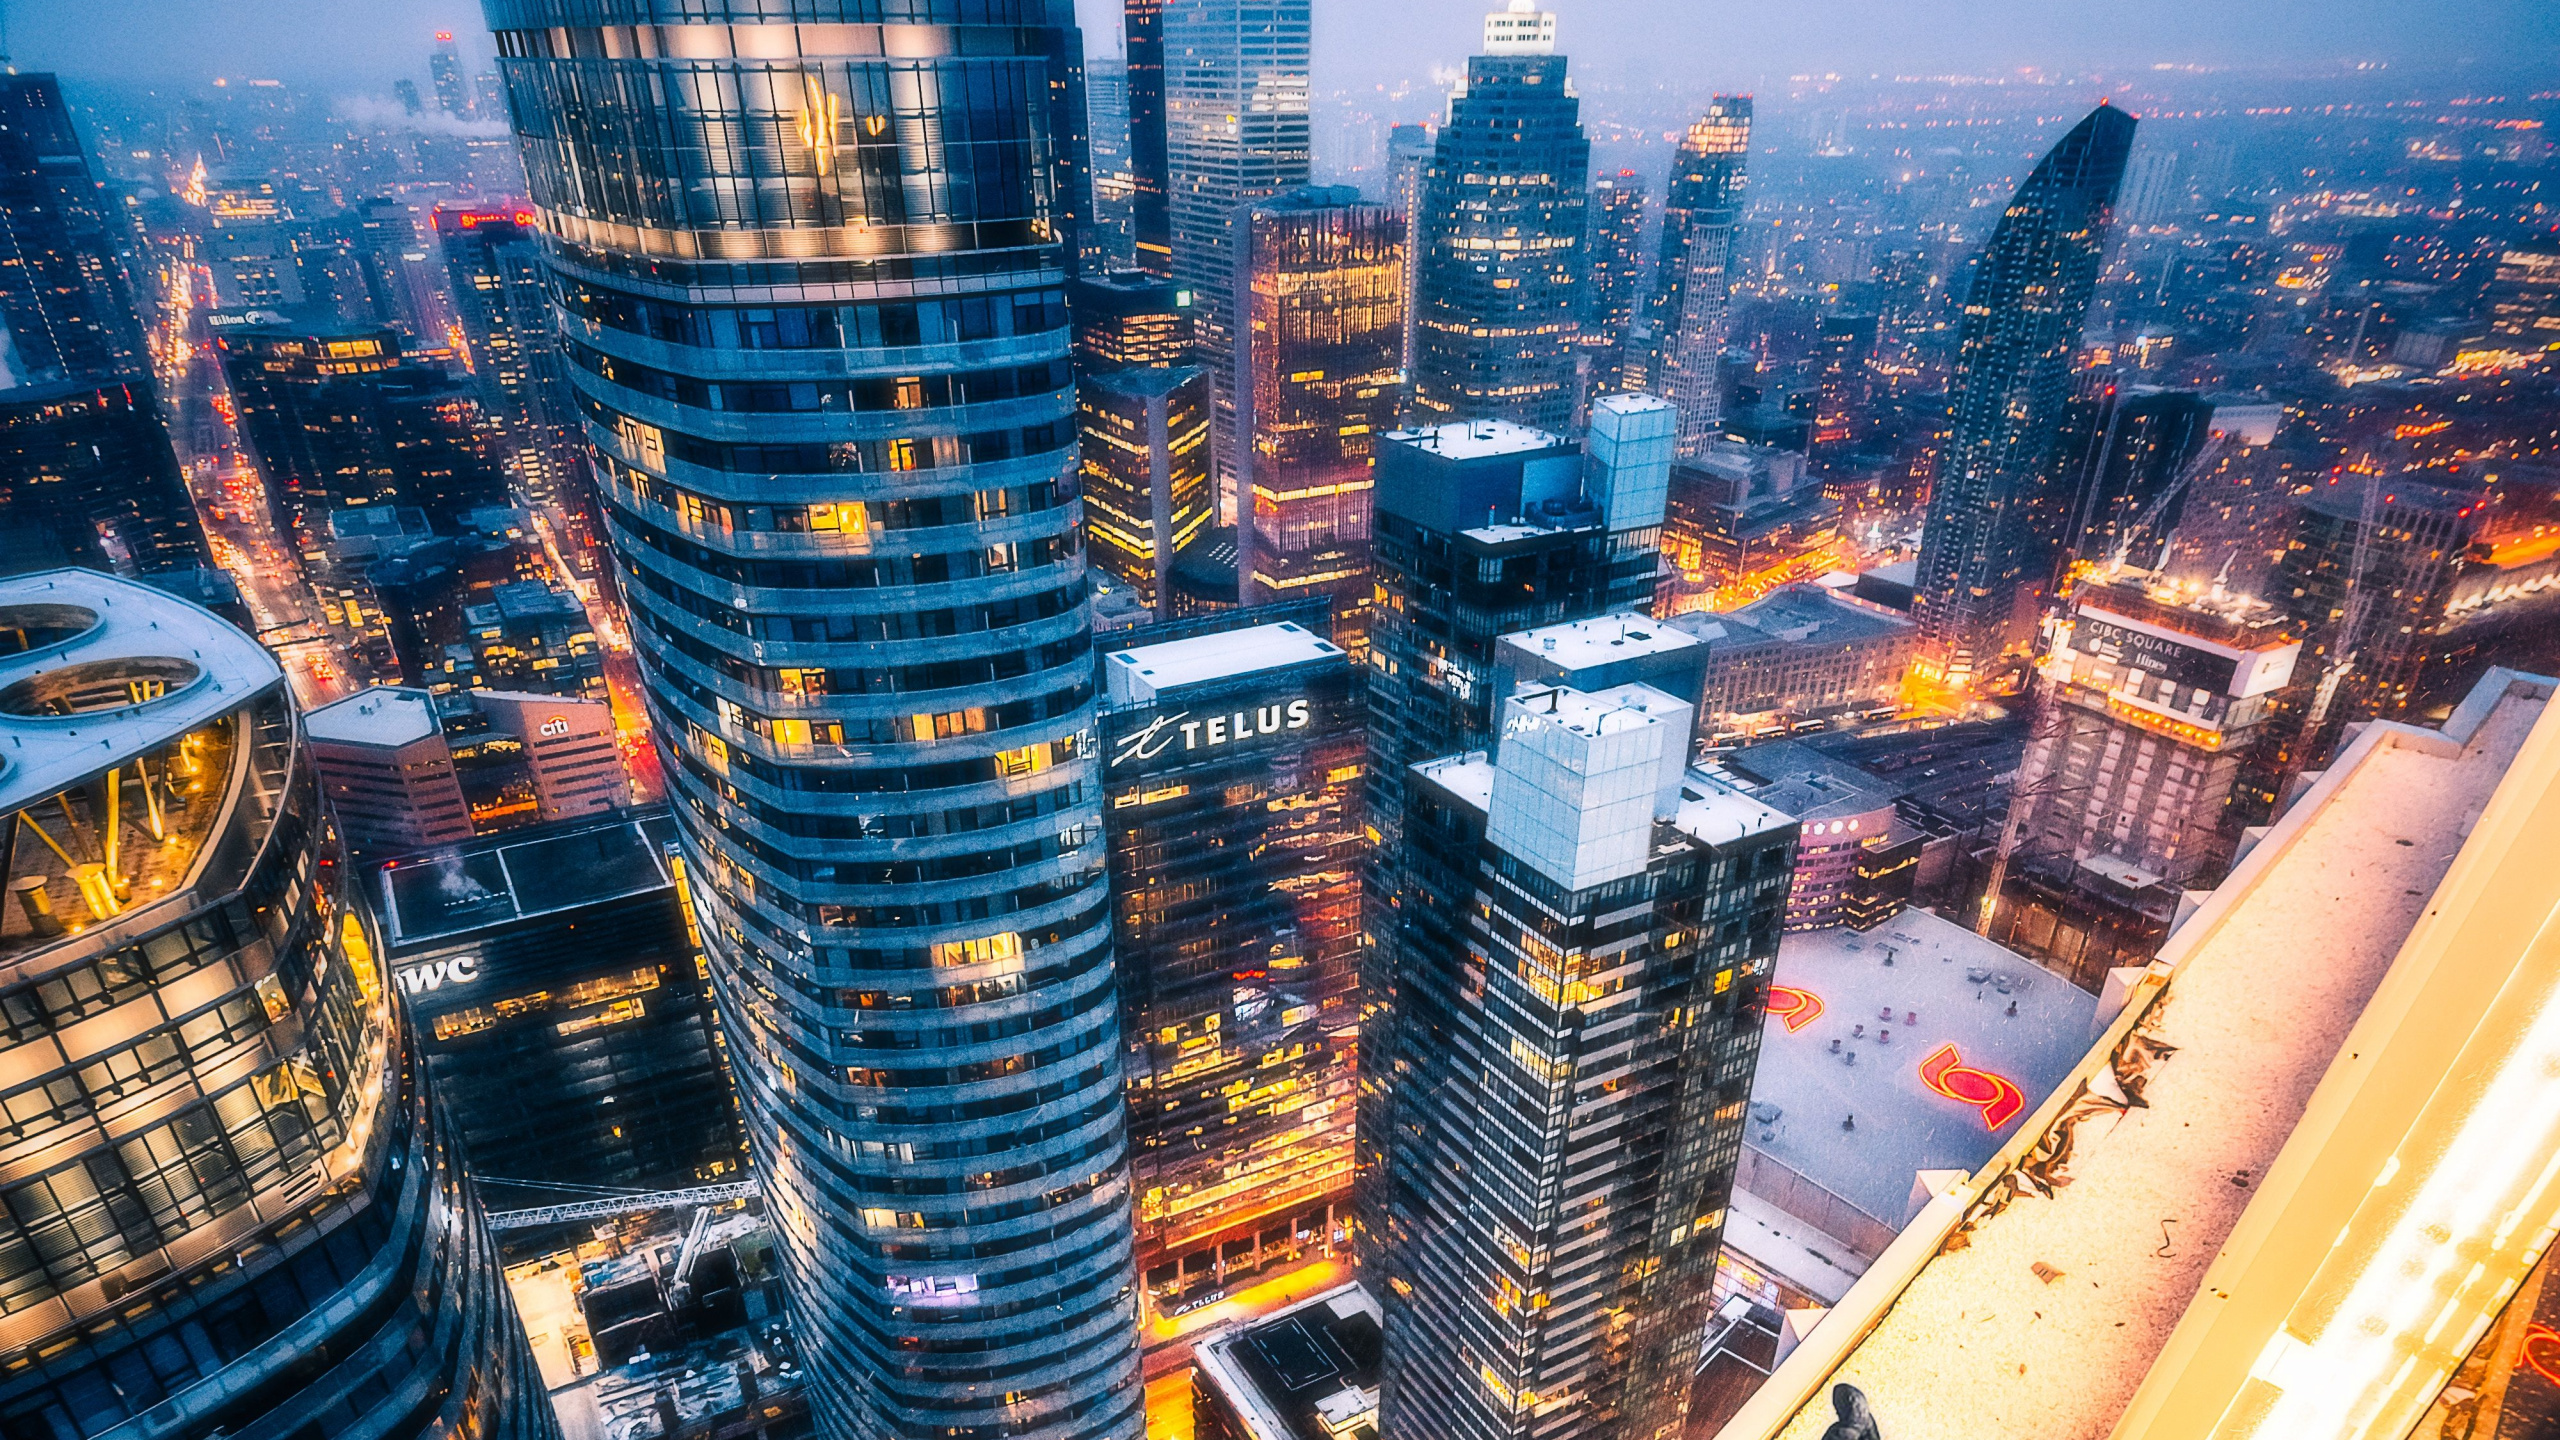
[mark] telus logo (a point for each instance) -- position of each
(1161, 732)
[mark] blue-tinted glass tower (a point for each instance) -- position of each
(813, 279)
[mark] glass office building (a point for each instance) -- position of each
(1994, 524)
(555, 988)
(813, 269)
(1233, 786)
(1693, 283)
(229, 1207)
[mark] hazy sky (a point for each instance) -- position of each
(367, 43)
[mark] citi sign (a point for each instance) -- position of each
(556, 725)
(1161, 733)
(419, 979)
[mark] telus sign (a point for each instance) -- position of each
(1181, 729)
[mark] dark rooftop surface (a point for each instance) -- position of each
(505, 878)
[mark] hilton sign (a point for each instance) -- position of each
(1160, 735)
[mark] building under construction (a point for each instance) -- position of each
(2147, 708)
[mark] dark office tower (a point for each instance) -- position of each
(2364, 577)
(1150, 223)
(1615, 253)
(1111, 241)
(554, 990)
(1320, 282)
(1233, 785)
(1130, 318)
(1487, 528)
(444, 69)
(1408, 162)
(1235, 107)
(407, 93)
(864, 639)
(1842, 345)
(232, 1208)
(2130, 448)
(1498, 298)
(1693, 281)
(493, 258)
(1566, 1017)
(337, 419)
(1983, 560)
(87, 476)
(1144, 442)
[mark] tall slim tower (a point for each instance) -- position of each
(1235, 108)
(1112, 243)
(1984, 556)
(1321, 290)
(1408, 166)
(444, 67)
(1616, 261)
(1693, 284)
(1498, 298)
(87, 476)
(1150, 223)
(864, 635)
(1567, 1011)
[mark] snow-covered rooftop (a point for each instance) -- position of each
(2040, 1317)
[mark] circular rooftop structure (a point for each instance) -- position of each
(29, 627)
(88, 687)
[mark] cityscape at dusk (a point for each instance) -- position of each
(1274, 720)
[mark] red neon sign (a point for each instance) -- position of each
(1798, 1008)
(2541, 1351)
(1995, 1096)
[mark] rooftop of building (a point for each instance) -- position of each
(1314, 197)
(1603, 640)
(1146, 381)
(1142, 673)
(1718, 814)
(385, 717)
(1478, 439)
(107, 677)
(1803, 614)
(1864, 1017)
(2297, 1217)
(528, 600)
(440, 895)
(1803, 782)
(2223, 617)
(1308, 1371)
(2345, 499)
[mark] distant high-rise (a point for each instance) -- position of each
(87, 475)
(848, 526)
(2132, 446)
(1150, 219)
(1235, 125)
(1112, 240)
(1408, 166)
(1615, 255)
(444, 69)
(1693, 281)
(1563, 1023)
(1498, 298)
(1144, 434)
(1985, 556)
(1233, 777)
(1841, 347)
(493, 258)
(232, 1207)
(1316, 380)
(1130, 318)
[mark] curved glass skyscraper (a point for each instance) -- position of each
(1999, 508)
(812, 278)
(226, 1205)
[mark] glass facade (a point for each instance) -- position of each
(1144, 442)
(1563, 1023)
(1235, 874)
(1499, 296)
(1235, 131)
(1693, 282)
(556, 992)
(230, 1208)
(1985, 559)
(1318, 377)
(812, 274)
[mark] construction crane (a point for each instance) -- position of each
(607, 1204)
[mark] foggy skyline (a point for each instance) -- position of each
(353, 45)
